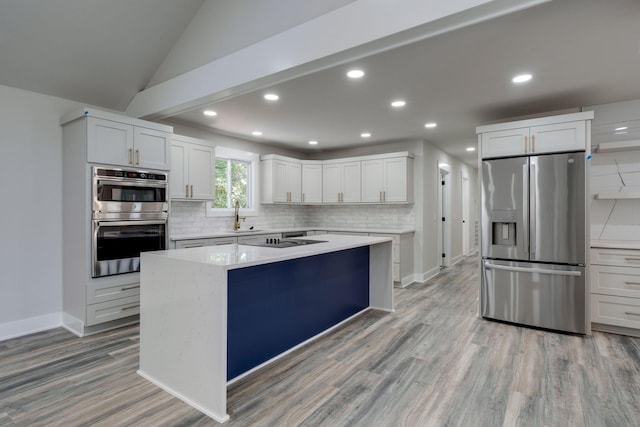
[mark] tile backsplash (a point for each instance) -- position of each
(189, 218)
(615, 219)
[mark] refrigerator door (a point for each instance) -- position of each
(542, 295)
(557, 208)
(505, 215)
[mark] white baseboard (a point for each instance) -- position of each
(72, 324)
(456, 259)
(28, 326)
(420, 278)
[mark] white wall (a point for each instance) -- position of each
(31, 214)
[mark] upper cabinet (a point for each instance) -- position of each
(192, 169)
(388, 180)
(567, 132)
(311, 182)
(281, 179)
(123, 141)
(341, 181)
(382, 178)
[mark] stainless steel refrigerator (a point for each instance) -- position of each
(534, 241)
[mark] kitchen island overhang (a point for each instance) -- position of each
(212, 315)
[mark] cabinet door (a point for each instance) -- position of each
(502, 143)
(201, 172)
(558, 137)
(372, 181)
(109, 142)
(178, 178)
(294, 182)
(351, 182)
(330, 182)
(280, 182)
(152, 148)
(395, 176)
(312, 183)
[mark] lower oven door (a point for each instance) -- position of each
(117, 245)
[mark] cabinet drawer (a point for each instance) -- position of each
(621, 257)
(108, 292)
(112, 310)
(620, 281)
(618, 311)
(396, 272)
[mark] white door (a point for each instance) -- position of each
(372, 181)
(330, 183)
(312, 183)
(395, 174)
(351, 182)
(444, 230)
(465, 216)
(510, 142)
(558, 137)
(152, 148)
(178, 179)
(109, 142)
(280, 183)
(294, 182)
(201, 172)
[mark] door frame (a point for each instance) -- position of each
(466, 195)
(444, 211)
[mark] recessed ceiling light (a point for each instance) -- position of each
(210, 113)
(313, 142)
(365, 135)
(522, 78)
(355, 74)
(398, 103)
(622, 128)
(430, 125)
(256, 133)
(471, 148)
(271, 97)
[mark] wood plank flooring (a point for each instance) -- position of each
(432, 362)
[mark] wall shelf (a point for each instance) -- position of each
(608, 147)
(614, 195)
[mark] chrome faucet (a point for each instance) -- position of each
(236, 225)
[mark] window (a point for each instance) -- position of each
(233, 178)
(236, 173)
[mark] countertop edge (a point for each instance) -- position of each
(177, 237)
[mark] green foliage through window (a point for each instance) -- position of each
(232, 183)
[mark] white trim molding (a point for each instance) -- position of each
(28, 326)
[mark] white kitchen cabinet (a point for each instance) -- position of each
(125, 144)
(281, 179)
(192, 169)
(387, 180)
(615, 290)
(567, 132)
(341, 182)
(90, 136)
(311, 182)
(212, 241)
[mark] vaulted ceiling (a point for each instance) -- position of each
(580, 52)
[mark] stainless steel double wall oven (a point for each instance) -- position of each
(129, 216)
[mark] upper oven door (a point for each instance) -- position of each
(121, 197)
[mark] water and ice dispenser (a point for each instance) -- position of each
(503, 228)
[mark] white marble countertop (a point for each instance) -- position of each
(234, 256)
(246, 232)
(616, 244)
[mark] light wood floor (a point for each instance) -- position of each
(432, 362)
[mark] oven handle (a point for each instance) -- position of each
(132, 222)
(161, 184)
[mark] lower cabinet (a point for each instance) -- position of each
(615, 288)
(113, 310)
(197, 243)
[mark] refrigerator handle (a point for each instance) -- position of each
(525, 207)
(490, 266)
(533, 195)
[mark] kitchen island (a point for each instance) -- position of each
(211, 315)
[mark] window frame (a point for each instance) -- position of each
(252, 161)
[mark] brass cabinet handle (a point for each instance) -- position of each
(384, 196)
(127, 288)
(130, 156)
(632, 283)
(302, 197)
(129, 307)
(631, 259)
(186, 190)
(137, 157)
(631, 313)
(533, 143)
(191, 190)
